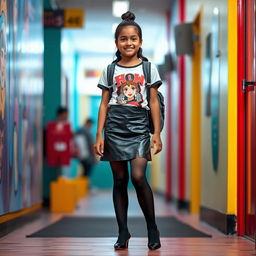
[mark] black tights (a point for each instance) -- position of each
(143, 191)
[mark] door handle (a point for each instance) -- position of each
(248, 85)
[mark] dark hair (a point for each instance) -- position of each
(128, 20)
(89, 120)
(61, 110)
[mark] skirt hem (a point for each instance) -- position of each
(125, 159)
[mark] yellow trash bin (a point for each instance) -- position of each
(63, 196)
(83, 186)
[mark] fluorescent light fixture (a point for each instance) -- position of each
(216, 11)
(119, 7)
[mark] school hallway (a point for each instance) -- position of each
(99, 204)
(53, 56)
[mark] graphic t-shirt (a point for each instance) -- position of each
(129, 85)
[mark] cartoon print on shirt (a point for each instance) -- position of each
(129, 91)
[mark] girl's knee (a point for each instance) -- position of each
(121, 181)
(138, 181)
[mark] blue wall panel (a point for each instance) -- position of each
(21, 87)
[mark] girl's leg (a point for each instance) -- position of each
(145, 198)
(143, 190)
(120, 198)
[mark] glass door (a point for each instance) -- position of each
(250, 129)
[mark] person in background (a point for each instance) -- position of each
(62, 114)
(59, 141)
(84, 142)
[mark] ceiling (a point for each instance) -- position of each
(96, 38)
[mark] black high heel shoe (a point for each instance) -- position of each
(122, 241)
(153, 239)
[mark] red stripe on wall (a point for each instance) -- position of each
(181, 191)
(181, 64)
(240, 119)
(182, 11)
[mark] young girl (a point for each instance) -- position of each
(126, 131)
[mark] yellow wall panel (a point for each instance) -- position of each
(232, 107)
(196, 121)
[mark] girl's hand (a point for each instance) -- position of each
(99, 146)
(156, 143)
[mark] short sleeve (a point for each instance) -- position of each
(155, 77)
(103, 81)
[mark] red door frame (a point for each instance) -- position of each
(182, 114)
(240, 118)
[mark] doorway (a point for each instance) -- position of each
(250, 118)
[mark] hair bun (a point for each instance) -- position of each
(128, 16)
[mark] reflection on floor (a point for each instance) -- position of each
(99, 203)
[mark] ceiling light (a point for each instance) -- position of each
(119, 7)
(216, 11)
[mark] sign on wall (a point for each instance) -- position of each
(54, 18)
(74, 18)
(68, 18)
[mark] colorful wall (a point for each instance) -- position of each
(213, 125)
(203, 175)
(21, 45)
(174, 117)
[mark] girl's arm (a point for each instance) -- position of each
(99, 145)
(155, 114)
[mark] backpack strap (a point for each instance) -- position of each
(110, 75)
(146, 66)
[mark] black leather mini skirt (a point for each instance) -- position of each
(126, 134)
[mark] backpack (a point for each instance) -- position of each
(146, 66)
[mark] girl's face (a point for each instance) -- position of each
(129, 91)
(128, 42)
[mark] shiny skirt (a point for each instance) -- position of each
(126, 134)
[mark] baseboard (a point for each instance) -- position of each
(181, 204)
(226, 223)
(19, 221)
